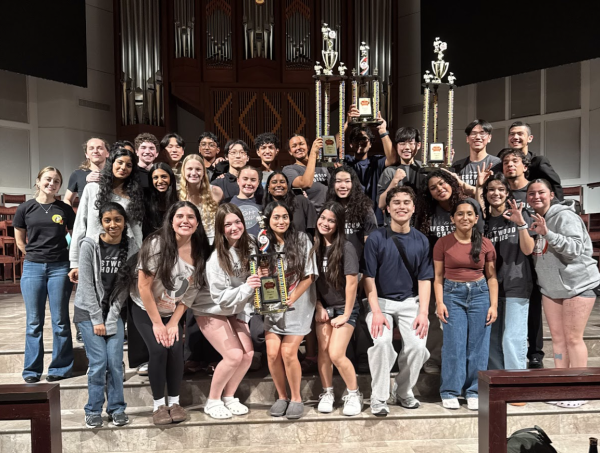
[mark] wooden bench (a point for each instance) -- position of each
(39, 403)
(499, 387)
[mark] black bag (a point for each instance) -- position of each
(530, 440)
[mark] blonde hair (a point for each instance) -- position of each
(41, 173)
(86, 164)
(208, 206)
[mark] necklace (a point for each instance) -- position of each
(46, 210)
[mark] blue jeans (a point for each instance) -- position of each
(41, 281)
(466, 337)
(105, 358)
(508, 342)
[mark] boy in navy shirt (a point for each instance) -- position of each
(398, 288)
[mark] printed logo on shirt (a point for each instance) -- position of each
(541, 246)
(469, 176)
(321, 177)
(56, 218)
(442, 230)
(501, 234)
(251, 215)
(167, 302)
(352, 228)
(110, 265)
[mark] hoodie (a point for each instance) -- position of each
(223, 294)
(90, 290)
(563, 257)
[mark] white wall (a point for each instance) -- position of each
(57, 124)
(408, 82)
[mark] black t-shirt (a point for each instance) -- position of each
(144, 177)
(512, 265)
(78, 181)
(441, 224)
(356, 232)
(251, 211)
(109, 262)
(467, 170)
(521, 196)
(328, 295)
(46, 231)
(305, 214)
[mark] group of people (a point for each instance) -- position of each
(460, 259)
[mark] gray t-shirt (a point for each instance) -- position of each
(185, 288)
(317, 193)
(298, 320)
(251, 212)
(467, 170)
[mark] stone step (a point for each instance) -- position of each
(314, 432)
(255, 388)
(11, 359)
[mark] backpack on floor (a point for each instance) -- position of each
(530, 440)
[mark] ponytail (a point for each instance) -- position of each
(476, 240)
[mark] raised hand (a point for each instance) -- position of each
(383, 126)
(514, 212)
(539, 225)
(483, 173)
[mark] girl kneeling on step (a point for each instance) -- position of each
(285, 331)
(223, 310)
(170, 273)
(103, 287)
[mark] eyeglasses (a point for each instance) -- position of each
(237, 153)
(208, 145)
(478, 134)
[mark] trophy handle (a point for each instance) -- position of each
(282, 283)
(253, 271)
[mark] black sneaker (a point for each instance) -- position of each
(93, 421)
(120, 419)
(79, 337)
(536, 363)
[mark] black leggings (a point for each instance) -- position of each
(166, 364)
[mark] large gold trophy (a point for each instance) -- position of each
(323, 78)
(437, 154)
(272, 295)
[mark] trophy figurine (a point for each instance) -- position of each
(365, 91)
(437, 154)
(272, 295)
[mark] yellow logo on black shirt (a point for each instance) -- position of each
(56, 218)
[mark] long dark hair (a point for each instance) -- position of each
(123, 278)
(131, 186)
(290, 197)
(476, 237)
(358, 205)
(157, 203)
(165, 255)
(222, 246)
(496, 177)
(426, 203)
(335, 272)
(295, 245)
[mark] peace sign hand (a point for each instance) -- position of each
(514, 213)
(539, 225)
(483, 174)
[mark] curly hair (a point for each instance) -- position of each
(208, 205)
(295, 245)
(335, 273)
(86, 164)
(166, 254)
(123, 278)
(358, 205)
(131, 186)
(426, 203)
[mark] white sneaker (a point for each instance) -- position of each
(431, 367)
(451, 403)
(379, 407)
(143, 369)
(353, 403)
(326, 400)
(473, 403)
(410, 402)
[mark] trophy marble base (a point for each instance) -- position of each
(433, 167)
(267, 309)
(360, 122)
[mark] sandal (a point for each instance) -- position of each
(218, 411)
(571, 404)
(236, 407)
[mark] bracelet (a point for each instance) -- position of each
(522, 227)
(385, 134)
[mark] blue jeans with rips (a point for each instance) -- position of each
(466, 337)
(105, 369)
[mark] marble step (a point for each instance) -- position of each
(314, 432)
(255, 388)
(12, 356)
